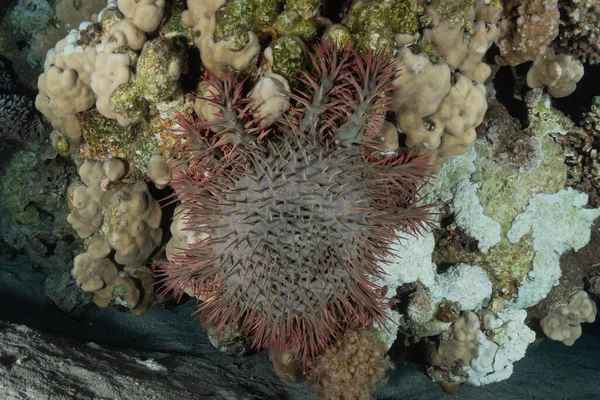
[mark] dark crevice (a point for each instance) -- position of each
(510, 89)
(579, 101)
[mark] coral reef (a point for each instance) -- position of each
(295, 141)
(510, 338)
(122, 222)
(582, 154)
(580, 29)
(438, 114)
(18, 120)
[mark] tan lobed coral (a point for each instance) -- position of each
(126, 215)
(563, 323)
(159, 171)
(145, 14)
(123, 224)
(201, 17)
(440, 93)
(94, 272)
(528, 28)
(559, 73)
(68, 14)
(132, 223)
(462, 345)
(65, 84)
(181, 239)
(352, 368)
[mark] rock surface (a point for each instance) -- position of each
(65, 365)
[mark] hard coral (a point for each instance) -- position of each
(564, 322)
(298, 220)
(352, 368)
(526, 31)
(580, 28)
(559, 73)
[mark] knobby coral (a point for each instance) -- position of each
(352, 368)
(297, 216)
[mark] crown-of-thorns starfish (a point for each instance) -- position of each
(299, 217)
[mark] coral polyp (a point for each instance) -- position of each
(297, 217)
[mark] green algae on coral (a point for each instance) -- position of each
(173, 28)
(504, 192)
(456, 12)
(157, 73)
(237, 17)
(298, 18)
(545, 119)
(430, 49)
(104, 138)
(506, 264)
(158, 70)
(338, 34)
(289, 57)
(374, 24)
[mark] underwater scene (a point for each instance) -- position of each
(299, 199)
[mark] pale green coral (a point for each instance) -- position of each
(557, 222)
(338, 34)
(506, 263)
(500, 193)
(503, 191)
(289, 56)
(456, 12)
(456, 188)
(545, 119)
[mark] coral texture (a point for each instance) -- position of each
(351, 368)
(559, 73)
(527, 30)
(18, 121)
(580, 29)
(297, 219)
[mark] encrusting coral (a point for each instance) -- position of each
(297, 218)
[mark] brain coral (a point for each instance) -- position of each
(296, 220)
